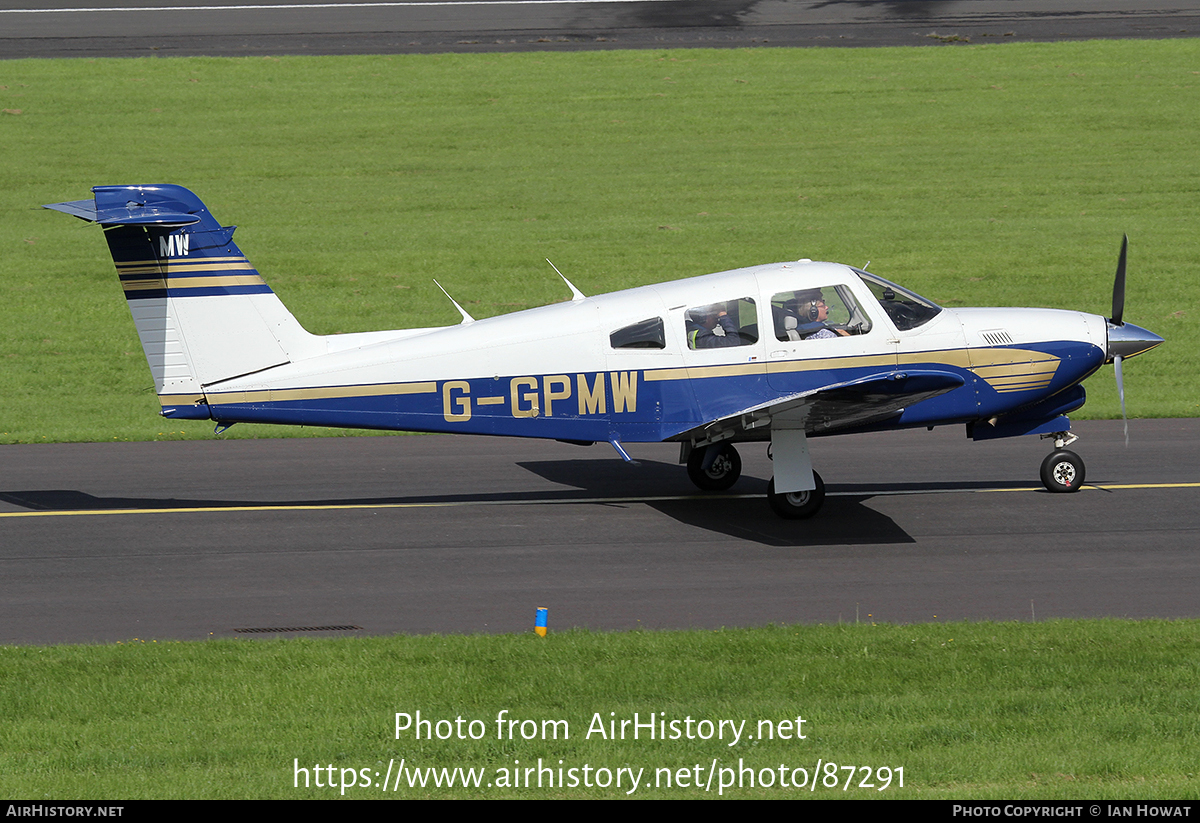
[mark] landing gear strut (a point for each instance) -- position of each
(1063, 470)
(724, 467)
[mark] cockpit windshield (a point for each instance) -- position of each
(907, 309)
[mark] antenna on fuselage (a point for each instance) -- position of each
(576, 294)
(466, 318)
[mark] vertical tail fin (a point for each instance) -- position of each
(204, 315)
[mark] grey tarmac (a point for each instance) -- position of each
(122, 28)
(423, 534)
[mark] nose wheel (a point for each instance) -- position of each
(1062, 471)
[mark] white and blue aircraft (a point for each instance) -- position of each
(776, 353)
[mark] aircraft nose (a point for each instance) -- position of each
(1126, 340)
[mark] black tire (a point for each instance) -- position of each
(725, 470)
(797, 505)
(1062, 471)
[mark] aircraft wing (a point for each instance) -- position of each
(842, 405)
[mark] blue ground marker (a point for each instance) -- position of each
(539, 624)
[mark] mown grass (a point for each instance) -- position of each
(978, 175)
(1065, 709)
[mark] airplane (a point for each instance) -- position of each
(773, 353)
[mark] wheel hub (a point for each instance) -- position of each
(1064, 473)
(719, 468)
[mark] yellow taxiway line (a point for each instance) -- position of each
(292, 507)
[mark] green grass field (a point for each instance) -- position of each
(1064, 709)
(978, 175)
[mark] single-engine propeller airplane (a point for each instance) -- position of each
(779, 353)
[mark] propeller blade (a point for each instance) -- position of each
(1118, 310)
(1121, 392)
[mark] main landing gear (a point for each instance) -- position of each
(797, 505)
(715, 468)
(1062, 470)
(718, 466)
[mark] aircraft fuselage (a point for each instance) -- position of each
(554, 372)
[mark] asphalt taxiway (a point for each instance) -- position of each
(419, 534)
(111, 28)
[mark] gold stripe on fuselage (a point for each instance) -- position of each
(1034, 371)
(191, 399)
(320, 392)
(1006, 373)
(1002, 369)
(859, 361)
(698, 372)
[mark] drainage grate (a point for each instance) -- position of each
(301, 629)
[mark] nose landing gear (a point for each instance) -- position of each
(1062, 470)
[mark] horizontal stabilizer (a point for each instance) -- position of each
(83, 209)
(164, 206)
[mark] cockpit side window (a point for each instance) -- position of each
(645, 334)
(907, 309)
(815, 314)
(722, 325)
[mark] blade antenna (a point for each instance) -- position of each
(576, 294)
(466, 318)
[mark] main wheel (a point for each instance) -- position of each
(797, 505)
(1062, 471)
(722, 473)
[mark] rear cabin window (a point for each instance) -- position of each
(645, 334)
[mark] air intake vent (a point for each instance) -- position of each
(997, 337)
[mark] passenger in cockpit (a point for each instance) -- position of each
(711, 327)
